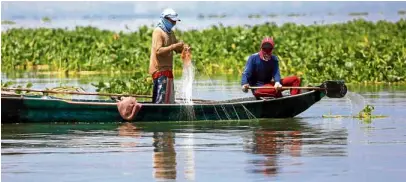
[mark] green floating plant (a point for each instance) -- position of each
(315, 52)
(13, 84)
(365, 114)
(7, 22)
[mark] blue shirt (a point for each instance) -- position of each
(258, 72)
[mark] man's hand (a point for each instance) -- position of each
(277, 86)
(178, 45)
(245, 88)
(186, 47)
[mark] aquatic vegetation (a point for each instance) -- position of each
(11, 84)
(295, 15)
(15, 85)
(358, 14)
(365, 114)
(201, 16)
(46, 19)
(7, 22)
(272, 15)
(139, 83)
(355, 51)
(7, 84)
(254, 16)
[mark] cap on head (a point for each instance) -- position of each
(267, 42)
(171, 14)
(267, 46)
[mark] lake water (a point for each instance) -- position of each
(305, 148)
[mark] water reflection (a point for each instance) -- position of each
(278, 145)
(271, 144)
(128, 129)
(170, 151)
(164, 156)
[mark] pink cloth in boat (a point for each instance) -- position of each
(128, 108)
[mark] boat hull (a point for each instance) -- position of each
(29, 109)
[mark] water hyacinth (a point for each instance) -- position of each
(356, 51)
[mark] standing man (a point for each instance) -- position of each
(164, 43)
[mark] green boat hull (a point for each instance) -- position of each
(35, 109)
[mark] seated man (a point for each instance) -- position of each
(261, 68)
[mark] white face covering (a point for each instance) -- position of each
(267, 57)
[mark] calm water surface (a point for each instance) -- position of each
(305, 148)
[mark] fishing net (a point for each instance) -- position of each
(187, 76)
(186, 56)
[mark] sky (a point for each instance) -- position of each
(59, 9)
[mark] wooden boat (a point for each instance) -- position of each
(51, 109)
(31, 109)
